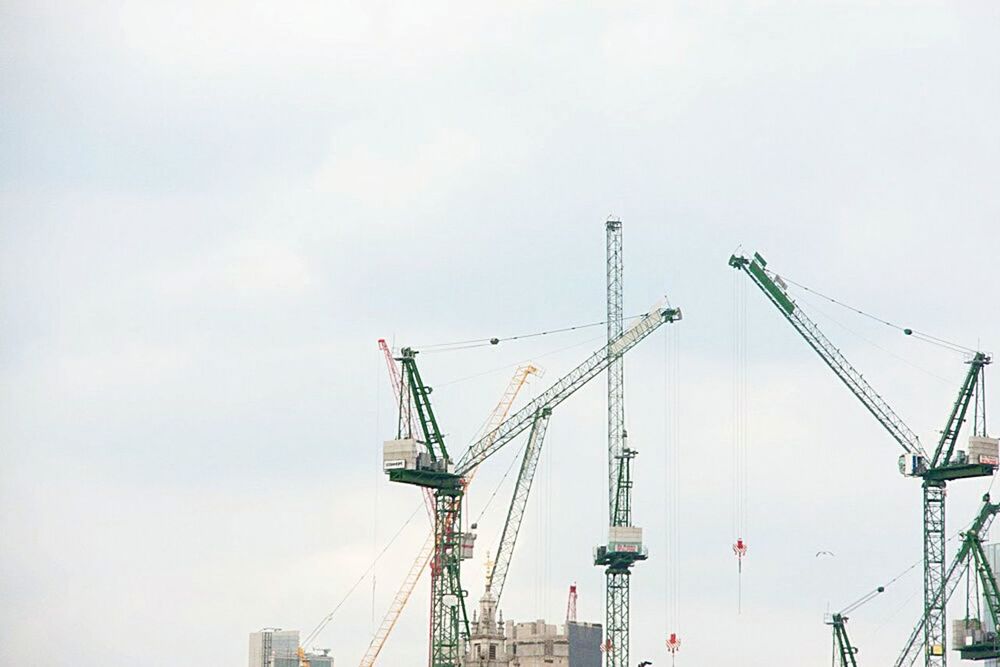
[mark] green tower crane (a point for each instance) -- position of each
(983, 646)
(945, 465)
(624, 547)
(421, 458)
(843, 649)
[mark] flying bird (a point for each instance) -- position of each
(825, 553)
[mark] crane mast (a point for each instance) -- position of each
(959, 564)
(624, 546)
(935, 471)
(499, 413)
(426, 463)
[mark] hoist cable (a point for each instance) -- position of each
(955, 347)
(329, 617)
(516, 363)
(482, 342)
(884, 350)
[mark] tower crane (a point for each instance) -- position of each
(497, 574)
(499, 413)
(624, 547)
(842, 644)
(935, 471)
(971, 550)
(425, 462)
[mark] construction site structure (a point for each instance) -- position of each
(497, 574)
(496, 643)
(946, 464)
(571, 604)
(403, 401)
(274, 647)
(844, 652)
(421, 458)
(972, 645)
(624, 547)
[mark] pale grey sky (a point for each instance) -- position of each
(210, 212)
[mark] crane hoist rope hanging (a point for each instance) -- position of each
(671, 491)
(741, 432)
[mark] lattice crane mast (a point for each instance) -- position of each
(971, 548)
(426, 463)
(945, 465)
(496, 417)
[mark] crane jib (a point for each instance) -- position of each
(776, 293)
(564, 387)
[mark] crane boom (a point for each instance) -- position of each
(935, 472)
(564, 387)
(773, 289)
(497, 575)
(405, 465)
(842, 643)
(498, 414)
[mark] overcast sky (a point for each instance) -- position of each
(210, 213)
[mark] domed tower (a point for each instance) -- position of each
(487, 645)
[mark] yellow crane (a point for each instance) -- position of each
(497, 416)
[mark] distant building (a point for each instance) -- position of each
(494, 643)
(487, 645)
(274, 647)
(585, 641)
(320, 659)
(537, 644)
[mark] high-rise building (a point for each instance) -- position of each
(584, 643)
(274, 647)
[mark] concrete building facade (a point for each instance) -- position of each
(495, 643)
(274, 647)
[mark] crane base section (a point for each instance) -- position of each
(617, 561)
(983, 651)
(433, 479)
(965, 471)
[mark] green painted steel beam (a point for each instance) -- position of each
(435, 480)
